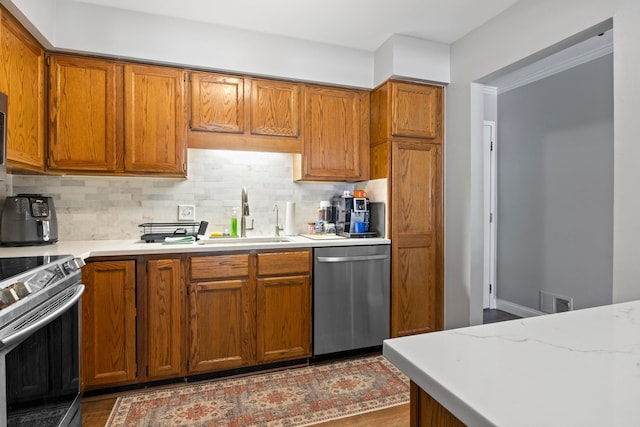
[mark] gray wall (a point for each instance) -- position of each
(555, 187)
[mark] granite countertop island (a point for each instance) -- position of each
(579, 368)
(94, 248)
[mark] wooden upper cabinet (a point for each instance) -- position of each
(275, 108)
(406, 110)
(217, 103)
(335, 135)
(155, 120)
(84, 104)
(22, 78)
(241, 113)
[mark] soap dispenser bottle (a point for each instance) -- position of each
(234, 222)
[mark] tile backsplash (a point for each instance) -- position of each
(90, 207)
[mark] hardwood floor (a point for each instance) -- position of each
(96, 410)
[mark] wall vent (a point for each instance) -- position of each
(554, 303)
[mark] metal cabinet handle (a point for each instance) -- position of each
(351, 258)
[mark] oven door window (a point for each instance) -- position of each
(42, 374)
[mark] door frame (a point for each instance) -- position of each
(490, 146)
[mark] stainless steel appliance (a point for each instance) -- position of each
(39, 341)
(3, 136)
(28, 219)
(351, 289)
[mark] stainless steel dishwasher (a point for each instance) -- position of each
(350, 297)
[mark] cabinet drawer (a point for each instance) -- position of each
(284, 263)
(219, 266)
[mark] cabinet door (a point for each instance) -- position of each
(166, 291)
(217, 103)
(22, 79)
(83, 111)
(220, 325)
(109, 323)
(335, 136)
(416, 111)
(284, 318)
(417, 239)
(275, 108)
(155, 131)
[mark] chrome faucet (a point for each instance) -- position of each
(278, 228)
(244, 206)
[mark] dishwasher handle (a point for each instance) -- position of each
(351, 258)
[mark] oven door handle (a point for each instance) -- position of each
(27, 330)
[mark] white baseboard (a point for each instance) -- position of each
(517, 309)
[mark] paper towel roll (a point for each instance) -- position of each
(290, 220)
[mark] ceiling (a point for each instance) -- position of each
(360, 24)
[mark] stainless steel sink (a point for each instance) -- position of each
(243, 240)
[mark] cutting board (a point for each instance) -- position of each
(323, 236)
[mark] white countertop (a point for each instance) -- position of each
(94, 248)
(580, 368)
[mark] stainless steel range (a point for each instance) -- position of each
(39, 341)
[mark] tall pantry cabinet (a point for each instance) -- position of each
(406, 148)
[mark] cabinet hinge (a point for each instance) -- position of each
(490, 288)
(491, 217)
(184, 167)
(48, 59)
(491, 145)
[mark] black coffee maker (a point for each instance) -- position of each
(352, 216)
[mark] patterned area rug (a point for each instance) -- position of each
(294, 397)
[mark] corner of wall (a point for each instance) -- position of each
(412, 58)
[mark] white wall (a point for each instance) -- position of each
(84, 27)
(402, 56)
(531, 29)
(626, 210)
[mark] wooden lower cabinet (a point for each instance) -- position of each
(284, 305)
(428, 412)
(284, 318)
(221, 320)
(165, 298)
(194, 315)
(248, 309)
(109, 324)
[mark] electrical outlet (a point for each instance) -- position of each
(186, 212)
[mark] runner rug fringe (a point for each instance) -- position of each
(293, 397)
